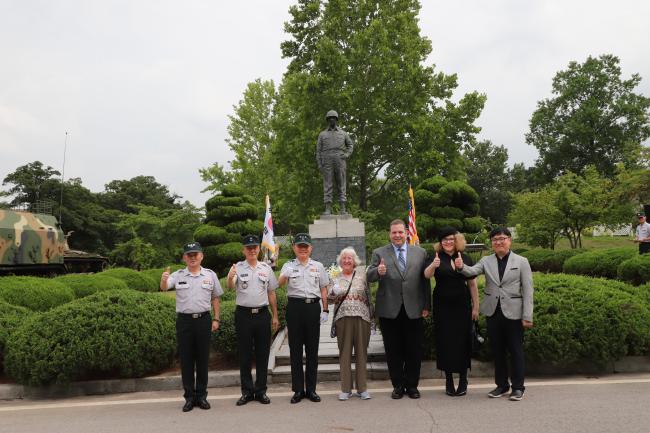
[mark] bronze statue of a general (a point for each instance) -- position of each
(333, 148)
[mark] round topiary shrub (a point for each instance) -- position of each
(84, 285)
(210, 235)
(635, 270)
(245, 227)
(598, 263)
(586, 320)
(544, 260)
(37, 294)
(134, 280)
(219, 200)
(120, 333)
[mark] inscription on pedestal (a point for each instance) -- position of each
(333, 233)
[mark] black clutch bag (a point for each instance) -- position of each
(477, 338)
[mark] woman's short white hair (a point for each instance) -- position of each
(350, 251)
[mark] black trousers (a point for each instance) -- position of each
(253, 335)
(644, 247)
(303, 321)
(506, 336)
(193, 340)
(403, 339)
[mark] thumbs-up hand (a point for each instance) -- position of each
(232, 273)
(436, 261)
(165, 275)
(381, 269)
(458, 262)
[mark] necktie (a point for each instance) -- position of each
(401, 260)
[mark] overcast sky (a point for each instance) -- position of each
(145, 87)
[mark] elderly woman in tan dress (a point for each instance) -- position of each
(352, 321)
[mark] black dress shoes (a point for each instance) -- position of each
(413, 393)
(450, 389)
(202, 403)
(263, 398)
(313, 396)
(462, 387)
(297, 397)
(245, 398)
(188, 406)
(397, 393)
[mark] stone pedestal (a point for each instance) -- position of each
(331, 233)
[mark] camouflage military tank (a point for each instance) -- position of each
(33, 243)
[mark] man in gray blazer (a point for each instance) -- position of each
(508, 305)
(403, 300)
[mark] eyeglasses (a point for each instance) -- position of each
(448, 241)
(500, 239)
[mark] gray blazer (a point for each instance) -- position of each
(395, 286)
(515, 290)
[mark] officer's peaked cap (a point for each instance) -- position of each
(250, 240)
(192, 247)
(302, 238)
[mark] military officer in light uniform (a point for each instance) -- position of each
(643, 234)
(307, 283)
(196, 288)
(255, 283)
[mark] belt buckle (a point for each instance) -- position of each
(196, 315)
(309, 301)
(255, 310)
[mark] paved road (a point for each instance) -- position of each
(618, 403)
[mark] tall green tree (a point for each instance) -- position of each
(31, 183)
(595, 117)
(154, 236)
(123, 195)
(539, 222)
(487, 173)
(367, 60)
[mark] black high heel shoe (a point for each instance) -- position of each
(462, 385)
(449, 384)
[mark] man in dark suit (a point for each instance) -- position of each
(403, 300)
(508, 305)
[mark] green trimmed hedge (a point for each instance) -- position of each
(134, 280)
(156, 273)
(11, 316)
(598, 263)
(120, 333)
(210, 235)
(37, 294)
(544, 260)
(84, 285)
(586, 320)
(635, 270)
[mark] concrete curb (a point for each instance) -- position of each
(225, 378)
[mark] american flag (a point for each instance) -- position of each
(412, 231)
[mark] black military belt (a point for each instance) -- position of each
(193, 315)
(252, 310)
(304, 300)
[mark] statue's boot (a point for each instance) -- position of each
(342, 210)
(328, 209)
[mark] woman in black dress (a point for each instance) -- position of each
(455, 306)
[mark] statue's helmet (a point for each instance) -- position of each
(333, 114)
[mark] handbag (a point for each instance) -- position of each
(338, 305)
(477, 338)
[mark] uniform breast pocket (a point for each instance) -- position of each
(264, 281)
(314, 276)
(182, 285)
(207, 285)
